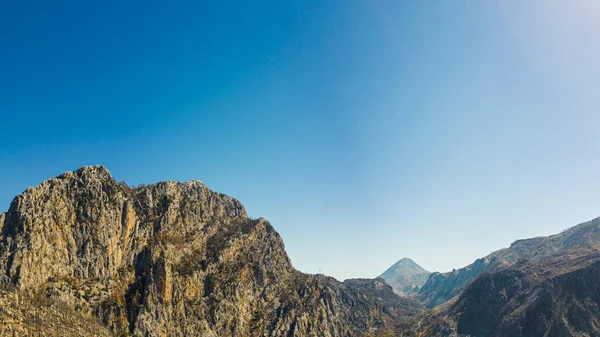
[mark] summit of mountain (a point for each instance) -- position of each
(406, 277)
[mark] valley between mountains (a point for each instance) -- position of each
(84, 255)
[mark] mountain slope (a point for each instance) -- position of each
(559, 296)
(405, 276)
(441, 287)
(395, 306)
(39, 316)
(555, 296)
(172, 259)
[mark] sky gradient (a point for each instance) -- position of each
(365, 131)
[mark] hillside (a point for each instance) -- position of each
(442, 287)
(556, 296)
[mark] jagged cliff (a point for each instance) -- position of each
(168, 259)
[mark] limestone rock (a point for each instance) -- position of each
(169, 259)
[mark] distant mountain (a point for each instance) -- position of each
(405, 276)
(555, 296)
(539, 287)
(441, 287)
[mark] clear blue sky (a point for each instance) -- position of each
(365, 131)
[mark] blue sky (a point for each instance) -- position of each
(365, 131)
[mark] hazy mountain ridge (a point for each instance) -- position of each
(405, 276)
(544, 286)
(441, 287)
(558, 296)
(555, 296)
(170, 258)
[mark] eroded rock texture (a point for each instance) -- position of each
(169, 259)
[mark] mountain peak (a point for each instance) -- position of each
(405, 276)
(408, 261)
(143, 260)
(93, 170)
(88, 173)
(405, 266)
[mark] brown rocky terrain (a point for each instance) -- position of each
(168, 259)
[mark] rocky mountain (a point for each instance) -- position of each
(442, 287)
(168, 259)
(405, 276)
(555, 296)
(83, 255)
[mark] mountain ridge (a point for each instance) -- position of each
(543, 286)
(442, 287)
(556, 296)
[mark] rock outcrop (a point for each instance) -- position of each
(169, 259)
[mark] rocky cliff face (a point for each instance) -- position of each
(169, 259)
